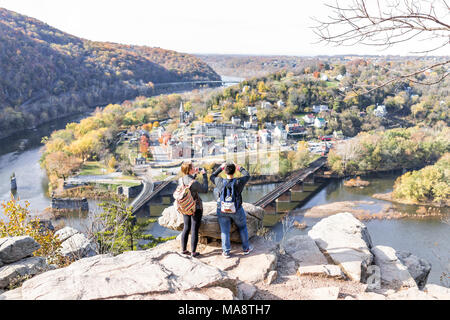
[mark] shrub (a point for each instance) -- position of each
(19, 223)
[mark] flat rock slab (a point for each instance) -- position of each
(325, 293)
(394, 274)
(347, 242)
(150, 274)
(13, 249)
(370, 296)
(410, 294)
(256, 266)
(209, 227)
(324, 270)
(27, 267)
(304, 250)
(438, 292)
(250, 268)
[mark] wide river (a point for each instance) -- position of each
(428, 239)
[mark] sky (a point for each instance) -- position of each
(261, 27)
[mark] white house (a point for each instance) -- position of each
(280, 133)
(319, 122)
(264, 136)
(324, 77)
(266, 105)
(380, 111)
(281, 104)
(236, 121)
(320, 108)
(309, 119)
(251, 111)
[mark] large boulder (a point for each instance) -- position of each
(347, 242)
(75, 245)
(303, 249)
(418, 268)
(394, 274)
(17, 271)
(13, 249)
(150, 274)
(209, 227)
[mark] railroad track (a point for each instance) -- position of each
(290, 182)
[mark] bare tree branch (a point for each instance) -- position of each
(386, 23)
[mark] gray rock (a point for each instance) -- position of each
(209, 227)
(246, 291)
(271, 276)
(330, 270)
(305, 251)
(347, 242)
(65, 233)
(150, 274)
(77, 247)
(27, 267)
(394, 274)
(15, 248)
(418, 268)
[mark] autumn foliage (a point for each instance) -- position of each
(20, 223)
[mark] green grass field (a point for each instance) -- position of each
(93, 168)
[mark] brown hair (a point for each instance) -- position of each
(186, 167)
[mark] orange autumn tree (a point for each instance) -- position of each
(143, 146)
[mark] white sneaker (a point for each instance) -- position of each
(250, 249)
(226, 254)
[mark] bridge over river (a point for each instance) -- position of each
(282, 193)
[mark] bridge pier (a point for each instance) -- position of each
(310, 179)
(271, 208)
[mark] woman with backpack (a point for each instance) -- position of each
(192, 212)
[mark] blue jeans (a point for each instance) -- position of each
(240, 219)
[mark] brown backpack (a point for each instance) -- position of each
(184, 201)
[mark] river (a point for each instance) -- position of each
(428, 239)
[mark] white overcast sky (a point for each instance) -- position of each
(195, 26)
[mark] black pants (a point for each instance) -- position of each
(193, 222)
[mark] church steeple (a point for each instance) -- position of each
(181, 112)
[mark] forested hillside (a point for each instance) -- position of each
(46, 73)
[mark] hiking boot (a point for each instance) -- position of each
(250, 249)
(226, 254)
(186, 252)
(195, 254)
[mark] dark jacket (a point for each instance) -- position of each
(240, 184)
(197, 188)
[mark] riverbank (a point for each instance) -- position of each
(354, 207)
(160, 88)
(389, 197)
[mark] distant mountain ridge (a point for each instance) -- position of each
(46, 73)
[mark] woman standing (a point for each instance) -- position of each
(193, 222)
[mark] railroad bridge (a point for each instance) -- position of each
(290, 190)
